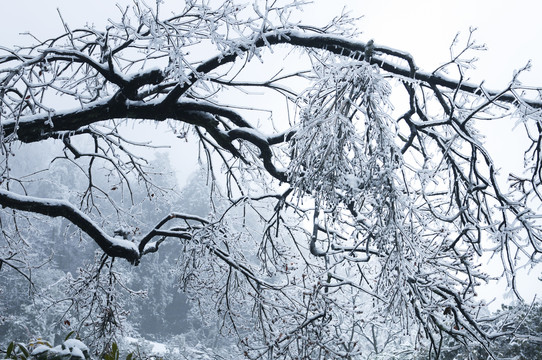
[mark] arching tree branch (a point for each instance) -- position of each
(52, 207)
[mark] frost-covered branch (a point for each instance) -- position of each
(53, 207)
(386, 204)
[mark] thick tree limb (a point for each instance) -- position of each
(52, 207)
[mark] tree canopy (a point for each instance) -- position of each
(367, 202)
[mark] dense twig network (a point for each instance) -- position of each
(378, 206)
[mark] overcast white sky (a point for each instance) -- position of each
(512, 32)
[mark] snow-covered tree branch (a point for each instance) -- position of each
(375, 195)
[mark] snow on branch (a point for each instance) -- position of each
(389, 197)
(53, 207)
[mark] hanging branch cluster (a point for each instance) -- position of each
(379, 208)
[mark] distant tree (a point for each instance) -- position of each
(518, 319)
(62, 292)
(373, 214)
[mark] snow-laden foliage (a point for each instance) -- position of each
(344, 148)
(351, 223)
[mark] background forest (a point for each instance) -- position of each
(151, 303)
